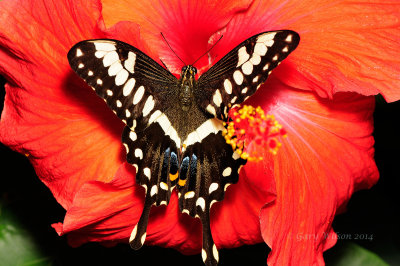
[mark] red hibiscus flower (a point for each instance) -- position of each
(319, 94)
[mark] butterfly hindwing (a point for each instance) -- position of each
(208, 168)
(241, 72)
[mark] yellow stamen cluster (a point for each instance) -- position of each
(250, 124)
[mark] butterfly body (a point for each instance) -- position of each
(187, 86)
(173, 134)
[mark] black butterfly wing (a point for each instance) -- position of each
(141, 93)
(123, 76)
(208, 167)
(241, 72)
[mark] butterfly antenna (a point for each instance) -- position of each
(171, 49)
(208, 50)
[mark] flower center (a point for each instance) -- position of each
(249, 124)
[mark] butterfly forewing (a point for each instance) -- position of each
(240, 73)
(132, 84)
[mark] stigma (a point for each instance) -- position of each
(250, 124)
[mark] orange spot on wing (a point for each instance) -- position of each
(182, 182)
(173, 177)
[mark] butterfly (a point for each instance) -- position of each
(173, 133)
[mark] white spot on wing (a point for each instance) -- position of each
(266, 37)
(189, 195)
(260, 49)
(130, 62)
(275, 58)
(139, 153)
(228, 86)
(289, 38)
(255, 59)
(211, 109)
(244, 90)
(105, 46)
(132, 136)
(203, 255)
(143, 238)
(133, 234)
(121, 77)
(148, 106)
(163, 186)
(266, 66)
(126, 147)
(243, 56)
(154, 116)
(212, 202)
(234, 99)
(114, 68)
(163, 121)
(110, 58)
(212, 125)
(269, 43)
(226, 186)
(147, 172)
(90, 73)
(145, 188)
(193, 137)
(128, 87)
(119, 104)
(286, 49)
(99, 81)
(138, 95)
(238, 77)
(212, 188)
(100, 54)
(247, 68)
(153, 190)
(201, 202)
(78, 52)
(227, 171)
(217, 98)
(109, 93)
(81, 65)
(215, 253)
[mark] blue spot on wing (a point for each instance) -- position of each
(174, 166)
(184, 168)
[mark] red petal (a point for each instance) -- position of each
(344, 46)
(187, 25)
(109, 211)
(68, 133)
(327, 155)
(104, 210)
(73, 140)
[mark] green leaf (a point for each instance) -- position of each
(17, 246)
(349, 253)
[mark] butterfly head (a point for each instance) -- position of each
(188, 71)
(187, 83)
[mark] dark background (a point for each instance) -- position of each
(371, 212)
